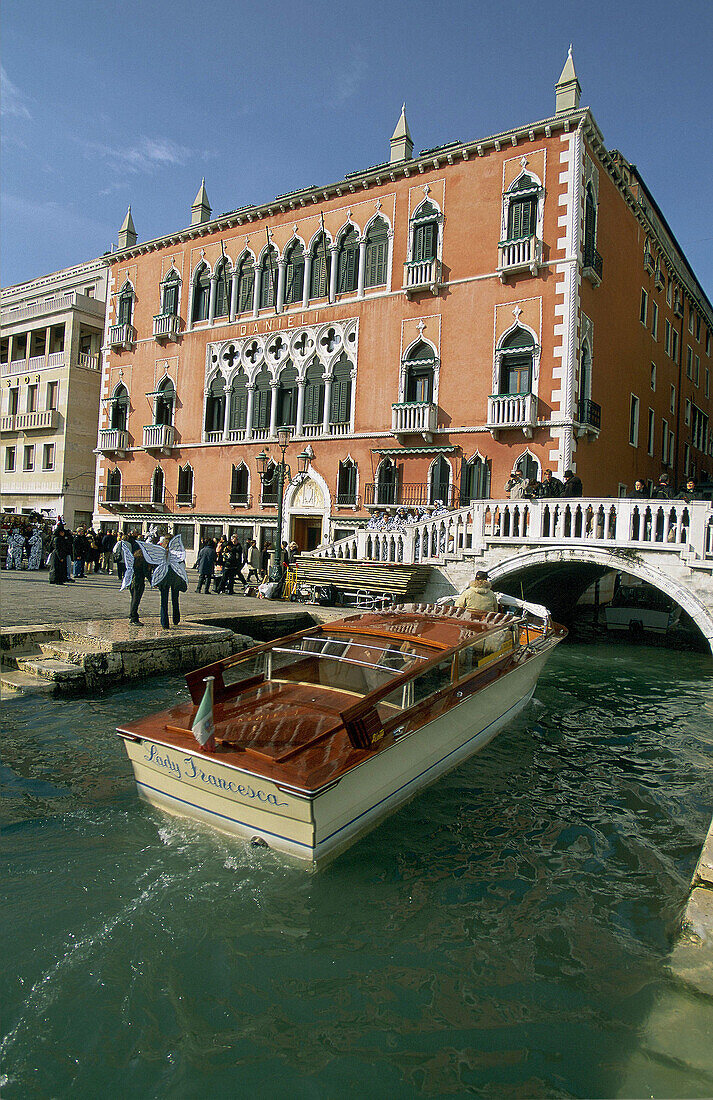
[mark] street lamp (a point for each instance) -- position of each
(281, 469)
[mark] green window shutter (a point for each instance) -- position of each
(314, 403)
(125, 304)
(294, 281)
(238, 409)
(340, 402)
(521, 219)
(318, 288)
(170, 299)
(247, 289)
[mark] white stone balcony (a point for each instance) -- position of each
(122, 336)
(89, 362)
(45, 421)
(158, 437)
(512, 410)
(414, 417)
(422, 275)
(113, 440)
(524, 254)
(7, 423)
(166, 326)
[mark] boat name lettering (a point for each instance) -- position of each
(211, 780)
(153, 756)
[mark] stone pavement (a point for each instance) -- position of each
(29, 598)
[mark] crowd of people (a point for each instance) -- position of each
(383, 521)
(225, 562)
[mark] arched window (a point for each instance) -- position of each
(474, 480)
(348, 262)
(314, 394)
(528, 466)
(184, 494)
(341, 400)
(377, 254)
(120, 408)
(157, 486)
(239, 484)
(246, 284)
(424, 233)
(261, 402)
(346, 483)
(269, 484)
(516, 352)
(169, 294)
(215, 405)
(590, 226)
(125, 309)
(165, 397)
(585, 375)
(222, 289)
(201, 294)
(319, 278)
(420, 366)
(113, 486)
(287, 397)
(439, 484)
(268, 278)
(238, 403)
(294, 274)
(522, 208)
(386, 482)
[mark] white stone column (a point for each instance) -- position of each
(256, 290)
(327, 402)
(191, 293)
(48, 344)
(281, 266)
(308, 280)
(226, 415)
(362, 267)
(299, 427)
(211, 300)
(249, 412)
(333, 249)
(233, 297)
(273, 409)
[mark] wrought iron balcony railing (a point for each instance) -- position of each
(589, 413)
(409, 495)
(592, 266)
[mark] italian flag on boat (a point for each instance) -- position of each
(203, 728)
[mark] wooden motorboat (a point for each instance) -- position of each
(322, 734)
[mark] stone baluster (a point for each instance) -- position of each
(328, 379)
(362, 267)
(234, 296)
(299, 427)
(213, 294)
(251, 387)
(274, 386)
(281, 267)
(308, 280)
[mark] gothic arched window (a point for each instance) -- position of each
(386, 482)
(238, 403)
(420, 365)
(319, 278)
(222, 290)
(348, 262)
(184, 494)
(157, 486)
(246, 284)
(347, 483)
(590, 226)
(516, 357)
(113, 486)
(522, 208)
(239, 480)
(286, 395)
(424, 233)
(439, 487)
(377, 254)
(314, 394)
(125, 308)
(341, 399)
(474, 480)
(169, 294)
(201, 294)
(120, 408)
(163, 408)
(215, 405)
(268, 278)
(294, 274)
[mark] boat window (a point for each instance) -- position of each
(470, 657)
(407, 695)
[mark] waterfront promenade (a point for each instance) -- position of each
(29, 598)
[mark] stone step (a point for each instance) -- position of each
(49, 668)
(10, 658)
(15, 682)
(71, 652)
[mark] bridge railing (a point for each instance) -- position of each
(669, 526)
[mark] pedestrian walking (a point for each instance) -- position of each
(205, 564)
(137, 584)
(58, 556)
(108, 543)
(35, 550)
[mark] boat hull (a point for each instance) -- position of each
(316, 826)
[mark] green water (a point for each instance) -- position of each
(504, 935)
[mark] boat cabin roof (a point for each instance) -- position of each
(293, 710)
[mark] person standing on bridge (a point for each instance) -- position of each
(662, 490)
(572, 485)
(551, 486)
(479, 595)
(516, 485)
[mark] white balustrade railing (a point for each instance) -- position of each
(166, 326)
(214, 437)
(525, 252)
(34, 421)
(113, 439)
(88, 361)
(158, 436)
(512, 410)
(422, 273)
(413, 416)
(672, 527)
(237, 435)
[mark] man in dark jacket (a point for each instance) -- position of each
(551, 486)
(662, 490)
(232, 560)
(205, 564)
(138, 584)
(81, 552)
(572, 485)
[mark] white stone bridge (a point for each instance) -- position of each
(554, 549)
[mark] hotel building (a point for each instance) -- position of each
(421, 327)
(52, 332)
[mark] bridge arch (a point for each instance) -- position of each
(505, 566)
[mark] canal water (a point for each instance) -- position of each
(504, 935)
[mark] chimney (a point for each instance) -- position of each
(127, 233)
(567, 89)
(401, 143)
(200, 211)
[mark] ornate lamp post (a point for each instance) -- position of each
(278, 475)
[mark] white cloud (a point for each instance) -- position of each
(346, 81)
(145, 155)
(12, 100)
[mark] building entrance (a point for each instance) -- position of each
(306, 531)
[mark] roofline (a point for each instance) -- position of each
(368, 177)
(86, 268)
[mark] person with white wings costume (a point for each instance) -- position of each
(169, 573)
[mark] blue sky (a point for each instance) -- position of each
(106, 104)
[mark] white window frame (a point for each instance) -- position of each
(634, 407)
(48, 450)
(655, 320)
(650, 433)
(643, 307)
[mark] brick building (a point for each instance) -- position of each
(420, 326)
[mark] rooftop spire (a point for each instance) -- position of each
(127, 233)
(200, 211)
(401, 143)
(567, 89)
